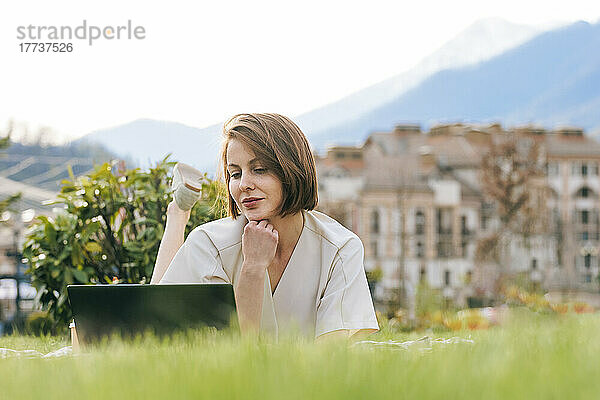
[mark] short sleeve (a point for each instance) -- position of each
(346, 302)
(196, 261)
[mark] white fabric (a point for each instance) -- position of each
(322, 289)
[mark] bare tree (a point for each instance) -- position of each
(511, 178)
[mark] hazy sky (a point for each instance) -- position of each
(201, 63)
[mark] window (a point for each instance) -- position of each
(584, 169)
(534, 264)
(484, 221)
(422, 274)
(487, 210)
(375, 221)
(594, 168)
(446, 278)
(463, 225)
(584, 192)
(587, 261)
(420, 252)
(553, 169)
(420, 223)
(444, 233)
(444, 220)
(584, 216)
(469, 277)
(445, 248)
(574, 168)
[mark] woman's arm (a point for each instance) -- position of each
(259, 244)
(249, 294)
(346, 304)
(171, 241)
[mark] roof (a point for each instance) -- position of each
(32, 197)
(571, 146)
(454, 150)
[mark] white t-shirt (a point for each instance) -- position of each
(323, 288)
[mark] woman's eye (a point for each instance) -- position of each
(235, 175)
(260, 170)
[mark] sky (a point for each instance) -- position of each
(201, 62)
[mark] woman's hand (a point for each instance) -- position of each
(176, 214)
(259, 243)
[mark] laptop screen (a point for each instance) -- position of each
(101, 310)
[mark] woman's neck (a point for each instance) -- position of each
(289, 229)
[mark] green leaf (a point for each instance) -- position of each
(80, 275)
(68, 276)
(76, 256)
(50, 232)
(93, 247)
(90, 228)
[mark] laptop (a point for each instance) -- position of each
(129, 309)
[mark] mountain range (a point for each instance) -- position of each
(493, 71)
(552, 80)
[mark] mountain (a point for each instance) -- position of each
(481, 41)
(147, 141)
(551, 80)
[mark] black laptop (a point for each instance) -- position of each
(101, 310)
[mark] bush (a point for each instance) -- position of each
(39, 324)
(428, 300)
(109, 231)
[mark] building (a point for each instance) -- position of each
(574, 203)
(417, 202)
(13, 225)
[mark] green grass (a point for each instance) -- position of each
(531, 357)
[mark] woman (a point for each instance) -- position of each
(291, 267)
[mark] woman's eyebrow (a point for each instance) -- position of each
(253, 161)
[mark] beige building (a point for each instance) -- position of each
(415, 199)
(574, 203)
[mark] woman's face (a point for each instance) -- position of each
(256, 191)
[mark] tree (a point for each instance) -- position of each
(109, 231)
(510, 176)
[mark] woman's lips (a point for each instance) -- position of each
(251, 203)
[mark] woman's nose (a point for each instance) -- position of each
(246, 182)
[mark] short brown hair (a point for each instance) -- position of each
(282, 147)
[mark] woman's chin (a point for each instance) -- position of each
(252, 215)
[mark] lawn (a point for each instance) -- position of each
(531, 356)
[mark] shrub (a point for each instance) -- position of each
(110, 230)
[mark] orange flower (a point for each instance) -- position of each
(477, 322)
(454, 324)
(560, 308)
(582, 308)
(512, 293)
